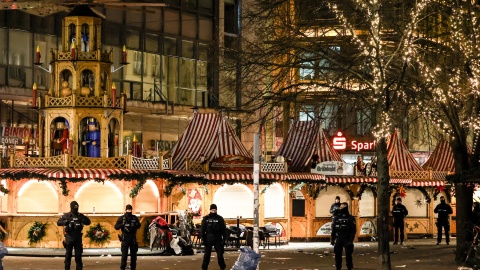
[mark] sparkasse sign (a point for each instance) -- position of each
(341, 143)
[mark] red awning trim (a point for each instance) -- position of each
(427, 183)
(88, 173)
(242, 176)
(352, 179)
(304, 176)
(400, 181)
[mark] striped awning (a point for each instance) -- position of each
(399, 157)
(441, 158)
(69, 173)
(242, 176)
(267, 176)
(361, 179)
(427, 183)
(350, 179)
(209, 135)
(400, 181)
(104, 174)
(304, 139)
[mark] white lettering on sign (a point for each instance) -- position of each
(339, 142)
(326, 229)
(359, 146)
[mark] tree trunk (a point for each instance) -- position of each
(464, 200)
(383, 202)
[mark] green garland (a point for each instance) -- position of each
(98, 234)
(37, 232)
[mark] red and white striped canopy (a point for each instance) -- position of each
(209, 135)
(269, 176)
(361, 179)
(399, 157)
(350, 179)
(105, 174)
(304, 139)
(427, 183)
(441, 158)
(69, 173)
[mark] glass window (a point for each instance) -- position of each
(134, 19)
(189, 25)
(190, 4)
(19, 58)
(170, 46)
(3, 47)
(172, 2)
(117, 58)
(45, 43)
(133, 90)
(114, 15)
(152, 67)
(44, 25)
(133, 71)
(154, 20)
(203, 52)
(206, 29)
(112, 34)
(187, 73)
(151, 43)
(170, 76)
(205, 6)
(202, 75)
(231, 18)
(19, 20)
(3, 77)
(173, 19)
(187, 82)
(3, 16)
(187, 49)
(133, 39)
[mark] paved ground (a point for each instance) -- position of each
(416, 254)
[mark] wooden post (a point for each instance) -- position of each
(66, 160)
(160, 163)
(129, 160)
(187, 163)
(12, 160)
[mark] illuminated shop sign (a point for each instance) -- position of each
(341, 143)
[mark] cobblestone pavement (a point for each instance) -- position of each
(415, 254)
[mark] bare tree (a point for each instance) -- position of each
(445, 64)
(353, 50)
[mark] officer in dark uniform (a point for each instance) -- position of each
(214, 234)
(73, 222)
(444, 211)
(334, 211)
(344, 229)
(129, 224)
(399, 212)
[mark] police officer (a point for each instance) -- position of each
(334, 211)
(344, 229)
(214, 234)
(73, 222)
(443, 210)
(129, 224)
(399, 212)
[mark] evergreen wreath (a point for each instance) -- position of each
(37, 232)
(98, 234)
